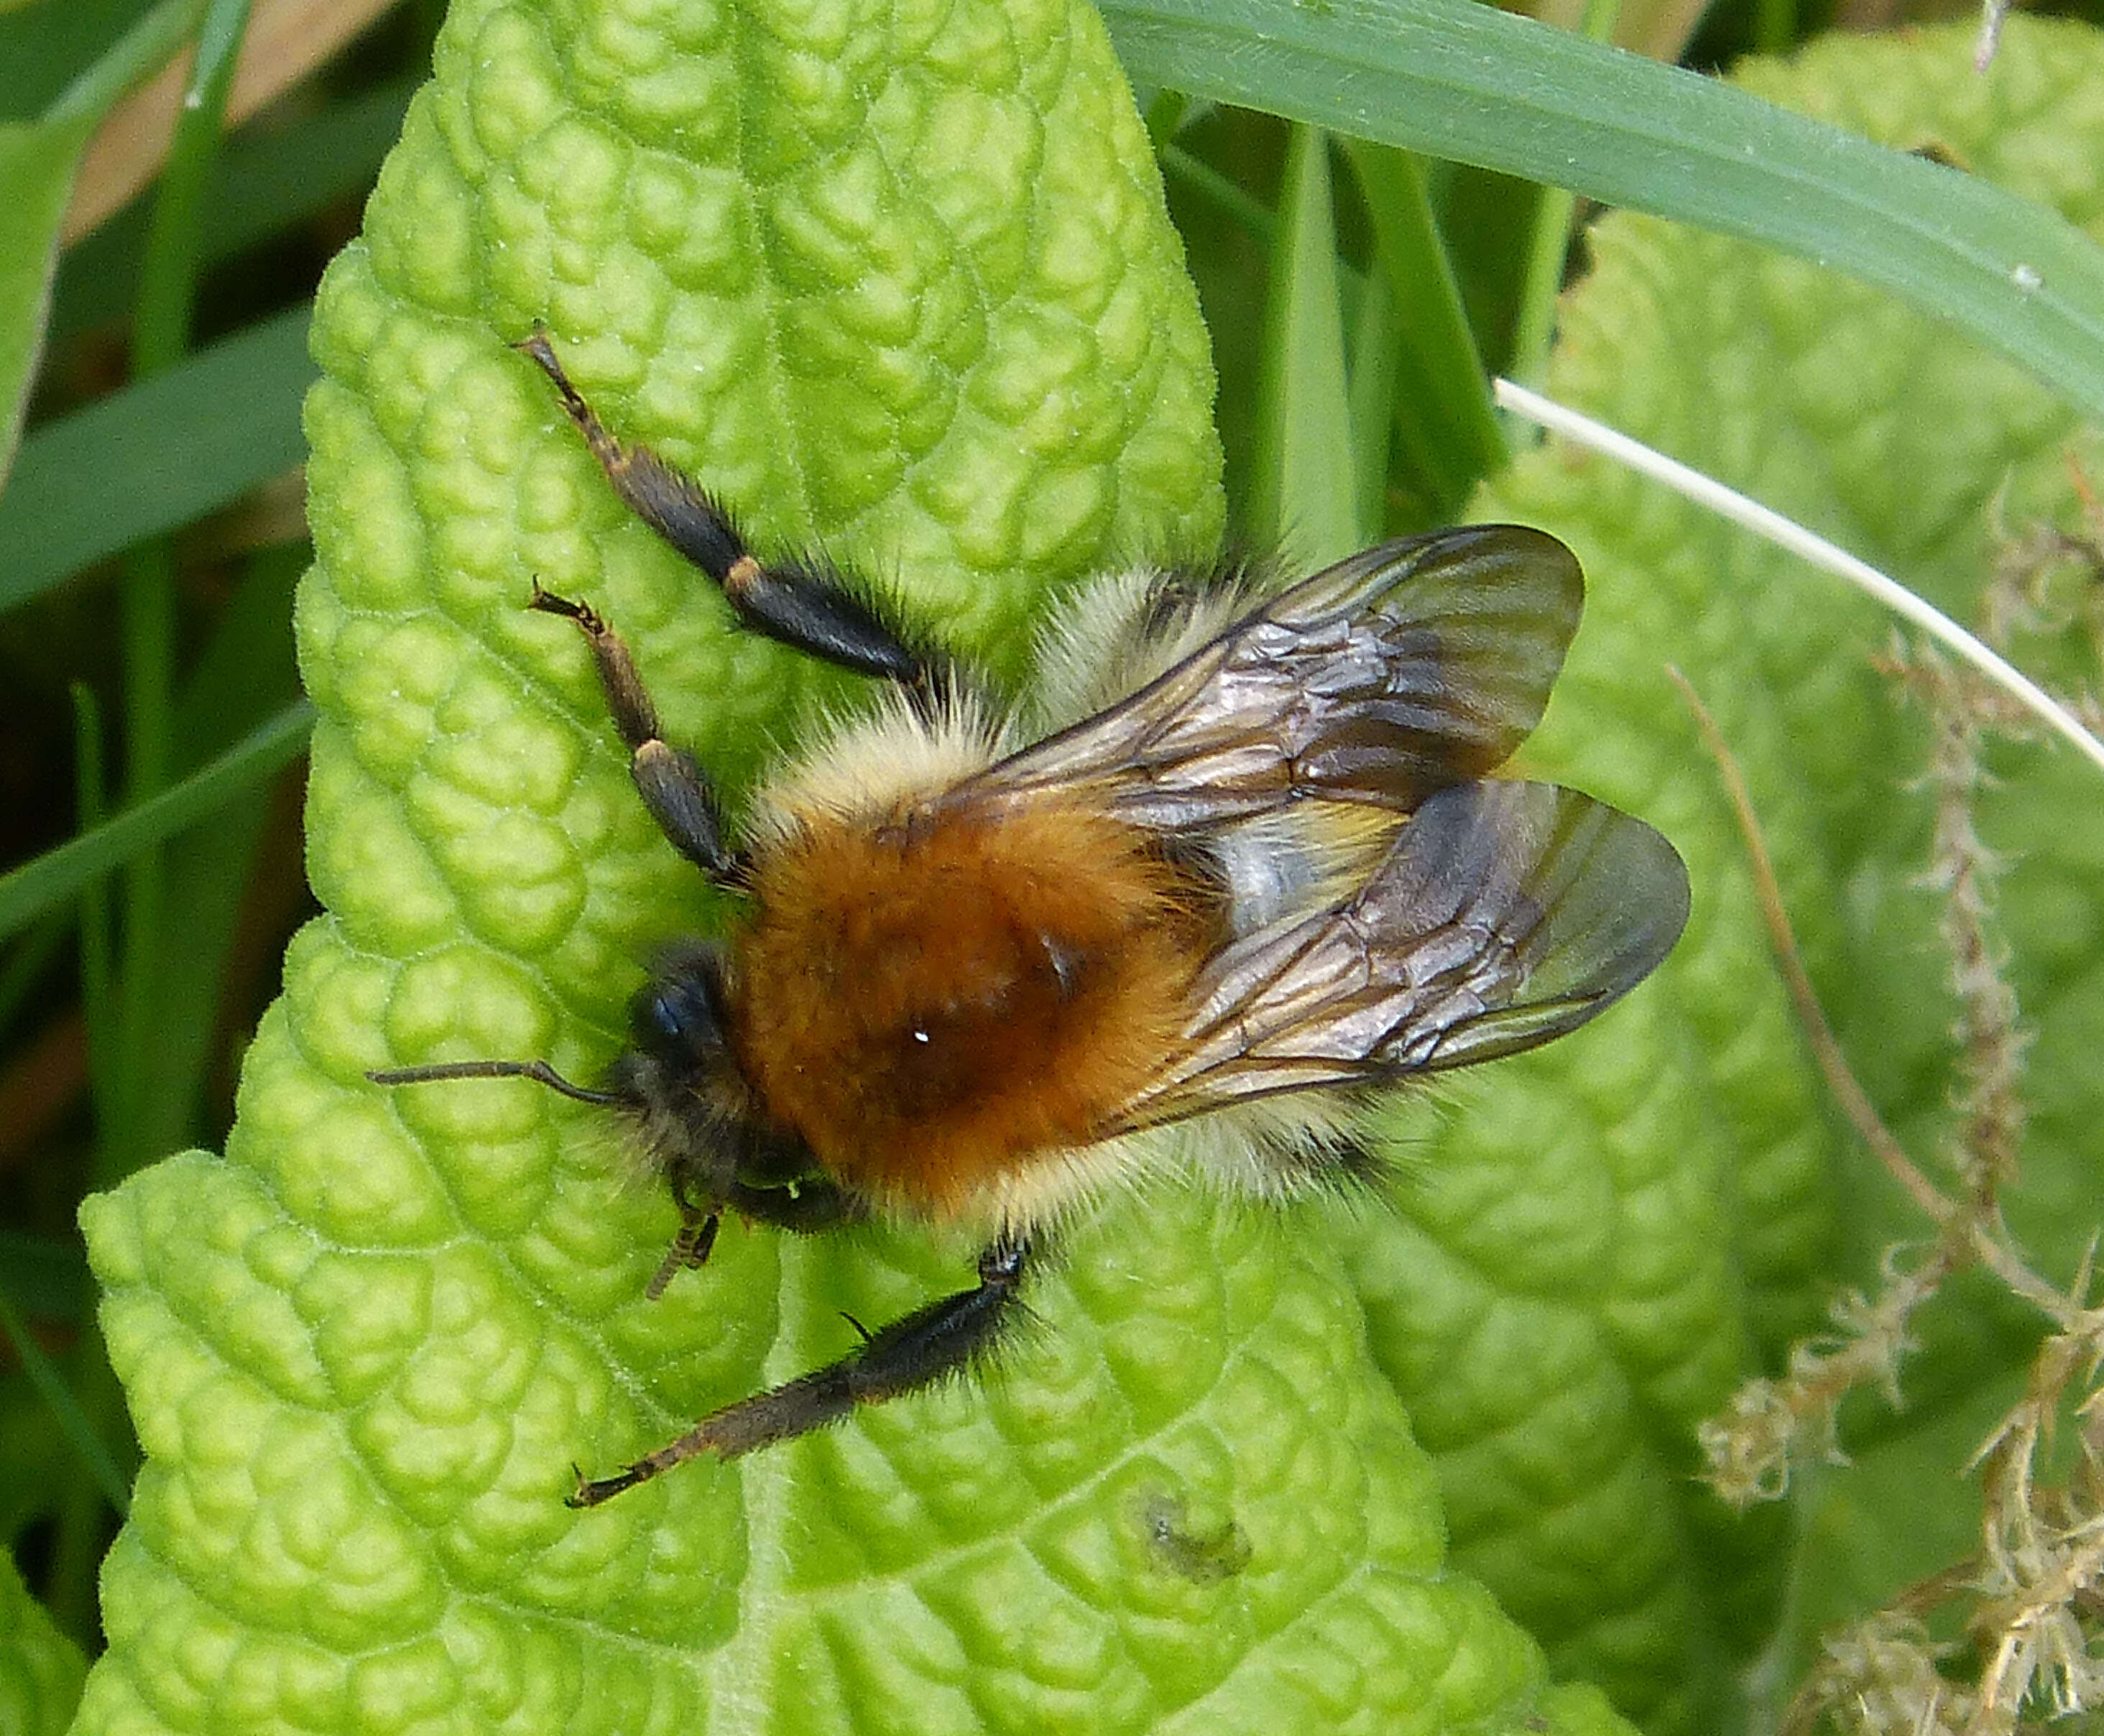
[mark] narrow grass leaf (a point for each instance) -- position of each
(1444, 425)
(242, 678)
(46, 1277)
(36, 165)
(23, 972)
(91, 787)
(266, 184)
(1371, 393)
(1479, 85)
(72, 1420)
(1303, 495)
(38, 885)
(154, 456)
(61, 61)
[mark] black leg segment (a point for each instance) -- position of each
(690, 1252)
(672, 785)
(812, 1207)
(806, 603)
(943, 1339)
(809, 1208)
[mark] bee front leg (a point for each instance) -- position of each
(811, 1208)
(946, 1338)
(691, 1247)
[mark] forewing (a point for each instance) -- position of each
(1414, 665)
(1505, 915)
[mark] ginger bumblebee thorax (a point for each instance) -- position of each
(933, 999)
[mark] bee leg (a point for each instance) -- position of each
(805, 603)
(690, 1252)
(813, 1206)
(946, 1338)
(671, 781)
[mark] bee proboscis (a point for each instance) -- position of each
(1233, 866)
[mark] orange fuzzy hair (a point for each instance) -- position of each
(932, 1002)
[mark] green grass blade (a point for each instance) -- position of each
(97, 998)
(23, 973)
(154, 456)
(137, 56)
(1548, 255)
(1233, 199)
(1372, 394)
(146, 600)
(72, 1420)
(36, 166)
(242, 679)
(47, 1278)
(1442, 402)
(266, 184)
(36, 886)
(1479, 85)
(168, 280)
(1303, 496)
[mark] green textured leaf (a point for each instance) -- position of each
(40, 1669)
(903, 288)
(1556, 1317)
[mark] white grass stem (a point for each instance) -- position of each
(1787, 534)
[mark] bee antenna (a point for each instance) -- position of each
(539, 1071)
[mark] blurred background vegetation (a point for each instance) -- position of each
(151, 532)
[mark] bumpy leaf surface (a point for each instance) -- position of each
(1604, 1237)
(897, 280)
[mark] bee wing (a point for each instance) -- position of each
(1505, 915)
(1415, 664)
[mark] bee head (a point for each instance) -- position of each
(678, 1037)
(679, 1028)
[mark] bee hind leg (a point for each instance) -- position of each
(945, 1338)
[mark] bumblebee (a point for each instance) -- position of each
(1234, 868)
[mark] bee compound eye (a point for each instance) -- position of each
(677, 1017)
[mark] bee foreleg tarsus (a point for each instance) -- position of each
(930, 1345)
(681, 800)
(604, 447)
(813, 1206)
(690, 1252)
(808, 604)
(633, 715)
